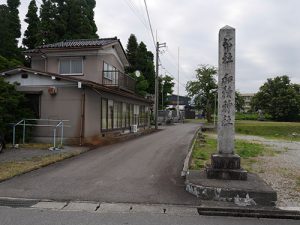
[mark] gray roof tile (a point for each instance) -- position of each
(77, 43)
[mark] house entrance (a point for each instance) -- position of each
(33, 102)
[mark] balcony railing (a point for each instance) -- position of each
(118, 79)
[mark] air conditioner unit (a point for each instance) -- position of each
(52, 90)
(133, 128)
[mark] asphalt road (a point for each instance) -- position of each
(143, 170)
(10, 216)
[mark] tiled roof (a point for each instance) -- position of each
(77, 43)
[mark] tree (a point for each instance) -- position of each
(203, 89)
(141, 83)
(166, 86)
(144, 63)
(13, 106)
(67, 19)
(140, 59)
(7, 42)
(14, 20)
(279, 98)
(48, 33)
(30, 39)
(239, 102)
(7, 64)
(91, 4)
(131, 53)
(8, 36)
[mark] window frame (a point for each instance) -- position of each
(70, 59)
(109, 74)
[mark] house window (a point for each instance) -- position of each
(110, 114)
(124, 115)
(71, 66)
(117, 115)
(110, 72)
(104, 114)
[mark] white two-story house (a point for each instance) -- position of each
(82, 81)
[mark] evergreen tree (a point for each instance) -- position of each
(14, 20)
(131, 53)
(80, 24)
(144, 63)
(6, 38)
(8, 41)
(91, 4)
(31, 34)
(48, 24)
(61, 18)
(67, 19)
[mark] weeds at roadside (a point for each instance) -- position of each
(14, 168)
(249, 152)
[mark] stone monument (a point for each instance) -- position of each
(226, 164)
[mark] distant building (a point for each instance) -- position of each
(247, 98)
(183, 101)
(184, 105)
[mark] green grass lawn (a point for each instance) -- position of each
(277, 130)
(248, 151)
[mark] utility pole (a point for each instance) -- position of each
(178, 87)
(158, 46)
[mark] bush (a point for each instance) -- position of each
(13, 107)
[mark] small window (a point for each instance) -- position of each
(71, 66)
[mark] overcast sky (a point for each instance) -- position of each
(267, 34)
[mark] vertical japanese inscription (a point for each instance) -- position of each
(227, 45)
(226, 90)
(226, 107)
(226, 84)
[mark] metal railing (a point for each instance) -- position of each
(118, 79)
(56, 125)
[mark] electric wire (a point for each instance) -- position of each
(137, 13)
(149, 21)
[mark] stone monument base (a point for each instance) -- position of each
(226, 167)
(253, 191)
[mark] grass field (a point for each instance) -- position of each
(248, 151)
(274, 130)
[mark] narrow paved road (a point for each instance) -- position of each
(143, 170)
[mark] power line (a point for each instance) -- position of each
(137, 13)
(164, 68)
(150, 23)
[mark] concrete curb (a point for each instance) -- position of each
(182, 210)
(250, 212)
(187, 159)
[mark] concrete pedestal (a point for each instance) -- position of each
(253, 191)
(226, 167)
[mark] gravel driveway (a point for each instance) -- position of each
(281, 171)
